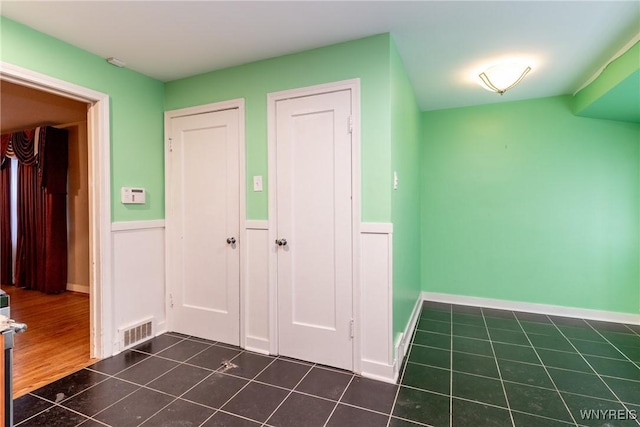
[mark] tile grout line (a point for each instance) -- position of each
(145, 386)
(487, 404)
(197, 384)
(404, 369)
(338, 401)
(594, 370)
(59, 404)
(547, 371)
(451, 369)
(495, 359)
(632, 330)
(141, 386)
(511, 343)
(289, 394)
(506, 381)
(250, 380)
(523, 346)
(611, 344)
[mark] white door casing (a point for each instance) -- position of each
(204, 181)
(313, 210)
(102, 329)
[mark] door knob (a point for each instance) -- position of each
(231, 240)
(281, 242)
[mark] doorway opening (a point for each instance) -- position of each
(96, 128)
(48, 314)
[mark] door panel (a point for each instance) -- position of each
(314, 216)
(205, 209)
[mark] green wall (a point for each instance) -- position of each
(615, 93)
(137, 148)
(405, 201)
(524, 201)
(367, 59)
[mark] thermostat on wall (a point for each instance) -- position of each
(132, 195)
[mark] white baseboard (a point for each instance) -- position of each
(554, 310)
(379, 371)
(78, 288)
(401, 346)
(161, 328)
(258, 345)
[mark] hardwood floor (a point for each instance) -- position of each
(56, 342)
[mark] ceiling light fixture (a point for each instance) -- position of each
(117, 62)
(502, 77)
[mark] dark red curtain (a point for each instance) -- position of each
(54, 166)
(41, 258)
(30, 250)
(6, 263)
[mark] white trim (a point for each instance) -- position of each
(137, 225)
(354, 86)
(376, 326)
(272, 197)
(554, 310)
(209, 108)
(73, 287)
(258, 345)
(238, 104)
(33, 79)
(379, 371)
(617, 55)
(376, 228)
(98, 125)
(252, 224)
(403, 340)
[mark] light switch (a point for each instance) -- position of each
(257, 183)
(395, 180)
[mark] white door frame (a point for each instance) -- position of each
(101, 288)
(272, 98)
(170, 226)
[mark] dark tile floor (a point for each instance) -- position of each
(467, 366)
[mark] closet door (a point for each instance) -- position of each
(203, 227)
(314, 216)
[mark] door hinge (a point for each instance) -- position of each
(351, 328)
(171, 300)
(350, 124)
(170, 145)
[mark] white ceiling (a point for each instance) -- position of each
(443, 43)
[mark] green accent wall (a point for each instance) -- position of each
(367, 59)
(136, 103)
(524, 201)
(615, 93)
(405, 201)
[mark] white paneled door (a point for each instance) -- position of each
(203, 213)
(314, 228)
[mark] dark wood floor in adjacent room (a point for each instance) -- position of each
(57, 339)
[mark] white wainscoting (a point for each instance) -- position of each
(376, 276)
(138, 275)
(256, 287)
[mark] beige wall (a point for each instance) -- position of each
(78, 208)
